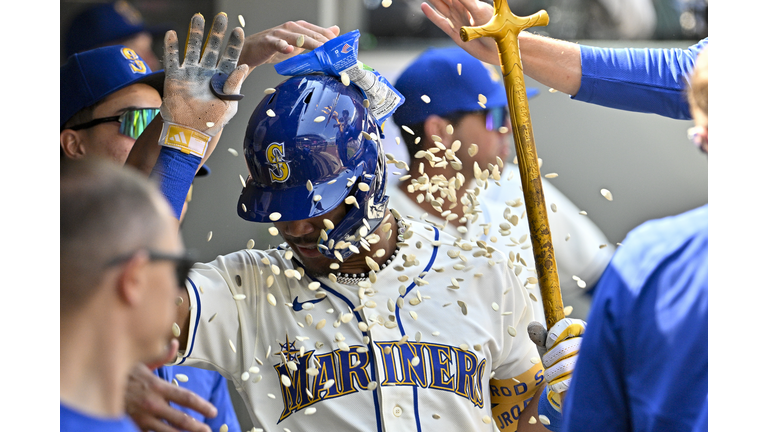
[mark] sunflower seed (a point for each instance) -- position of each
(270, 395)
(366, 104)
(544, 420)
(232, 151)
(414, 315)
(495, 306)
(242, 20)
(344, 78)
(535, 360)
(182, 377)
(275, 216)
(300, 41)
(532, 420)
(415, 361)
(210, 124)
(503, 129)
(273, 231)
(210, 234)
(319, 119)
(407, 129)
(270, 113)
(583, 213)
(232, 346)
(550, 175)
(285, 380)
(269, 90)
(463, 307)
(271, 299)
(317, 198)
(607, 194)
(176, 330)
(239, 296)
(386, 3)
(472, 150)
(511, 330)
(425, 98)
(328, 384)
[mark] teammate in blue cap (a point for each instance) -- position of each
(109, 96)
(454, 81)
(112, 23)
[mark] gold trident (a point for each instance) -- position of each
(505, 27)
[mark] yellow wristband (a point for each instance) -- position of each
(184, 138)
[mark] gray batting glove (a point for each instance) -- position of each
(188, 98)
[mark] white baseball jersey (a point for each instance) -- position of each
(416, 352)
(576, 239)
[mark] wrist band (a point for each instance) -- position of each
(184, 138)
(554, 415)
(175, 171)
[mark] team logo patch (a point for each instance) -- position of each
(136, 63)
(279, 170)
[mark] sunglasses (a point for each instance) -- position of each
(496, 118)
(132, 121)
(183, 263)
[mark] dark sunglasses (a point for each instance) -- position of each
(132, 122)
(183, 263)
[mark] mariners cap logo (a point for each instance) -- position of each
(128, 12)
(279, 170)
(135, 62)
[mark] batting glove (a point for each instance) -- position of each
(559, 350)
(194, 95)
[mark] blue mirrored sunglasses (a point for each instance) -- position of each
(496, 118)
(132, 121)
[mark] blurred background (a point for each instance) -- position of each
(645, 160)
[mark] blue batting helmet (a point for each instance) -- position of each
(309, 146)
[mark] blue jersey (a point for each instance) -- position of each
(72, 420)
(643, 361)
(209, 385)
(636, 79)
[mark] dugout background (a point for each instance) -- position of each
(645, 160)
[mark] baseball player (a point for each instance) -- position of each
(454, 114)
(122, 266)
(362, 319)
(108, 97)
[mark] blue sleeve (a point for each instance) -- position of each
(596, 399)
(643, 80)
(220, 397)
(174, 172)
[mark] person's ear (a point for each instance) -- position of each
(436, 125)
(72, 144)
(133, 280)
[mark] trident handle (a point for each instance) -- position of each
(505, 27)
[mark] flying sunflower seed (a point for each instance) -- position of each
(270, 113)
(176, 330)
(544, 420)
(407, 129)
(472, 150)
(210, 234)
(182, 377)
(232, 346)
(386, 3)
(425, 98)
(275, 216)
(232, 151)
(285, 380)
(271, 299)
(607, 194)
(269, 90)
(273, 231)
(344, 78)
(242, 20)
(210, 124)
(549, 176)
(239, 296)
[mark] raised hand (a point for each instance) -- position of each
(451, 15)
(188, 99)
(286, 40)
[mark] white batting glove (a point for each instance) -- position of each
(559, 350)
(188, 97)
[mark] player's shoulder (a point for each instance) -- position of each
(682, 238)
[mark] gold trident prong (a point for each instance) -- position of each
(504, 27)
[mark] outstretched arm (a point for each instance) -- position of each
(286, 40)
(552, 62)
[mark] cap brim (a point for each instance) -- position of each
(295, 203)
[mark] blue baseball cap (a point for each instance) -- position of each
(90, 76)
(106, 23)
(435, 74)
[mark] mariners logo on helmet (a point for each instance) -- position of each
(279, 171)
